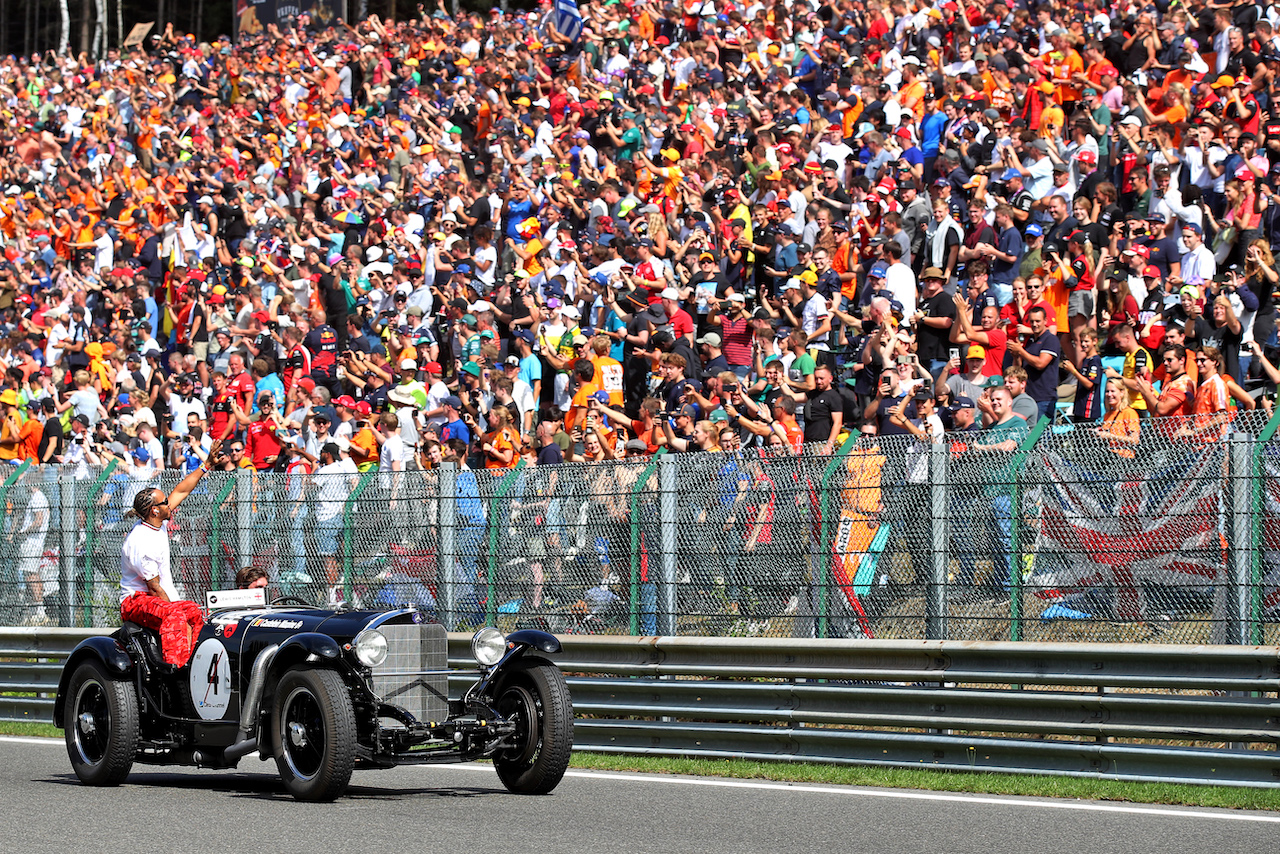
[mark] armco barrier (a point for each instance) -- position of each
(1174, 713)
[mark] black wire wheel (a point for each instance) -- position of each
(101, 725)
(313, 731)
(536, 697)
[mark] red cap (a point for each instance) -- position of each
(262, 317)
(345, 400)
(307, 384)
(1143, 252)
(363, 408)
(905, 133)
(1087, 156)
(887, 186)
(1151, 271)
(432, 367)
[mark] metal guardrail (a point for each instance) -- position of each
(1172, 713)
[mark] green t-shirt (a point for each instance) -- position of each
(1001, 472)
(632, 140)
(803, 366)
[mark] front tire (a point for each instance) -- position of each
(313, 734)
(101, 725)
(536, 696)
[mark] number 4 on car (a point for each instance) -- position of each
(322, 692)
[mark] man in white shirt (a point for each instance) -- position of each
(335, 478)
(1198, 265)
(148, 595)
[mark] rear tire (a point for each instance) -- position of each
(101, 725)
(536, 696)
(313, 734)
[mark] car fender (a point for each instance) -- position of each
(304, 645)
(541, 641)
(519, 643)
(105, 649)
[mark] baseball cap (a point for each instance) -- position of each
(711, 339)
(430, 367)
(408, 365)
(976, 351)
(1034, 230)
(454, 401)
(1151, 271)
(961, 402)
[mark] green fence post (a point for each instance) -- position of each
(91, 539)
(634, 507)
(1257, 534)
(504, 486)
(828, 526)
(1015, 535)
(347, 562)
(215, 529)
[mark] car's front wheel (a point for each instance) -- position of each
(101, 724)
(536, 696)
(313, 732)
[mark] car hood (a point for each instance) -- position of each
(340, 625)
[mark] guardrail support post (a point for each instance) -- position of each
(936, 594)
(446, 592)
(668, 509)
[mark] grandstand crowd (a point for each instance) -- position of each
(490, 237)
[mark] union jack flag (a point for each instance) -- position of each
(1156, 520)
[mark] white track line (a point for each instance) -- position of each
(1012, 801)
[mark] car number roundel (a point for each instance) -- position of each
(211, 680)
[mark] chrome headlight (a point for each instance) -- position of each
(488, 646)
(370, 647)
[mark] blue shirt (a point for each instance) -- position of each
(931, 127)
(531, 369)
(270, 383)
(455, 430)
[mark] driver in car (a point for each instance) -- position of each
(148, 596)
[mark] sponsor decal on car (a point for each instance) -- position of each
(273, 623)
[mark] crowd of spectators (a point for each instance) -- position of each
(481, 239)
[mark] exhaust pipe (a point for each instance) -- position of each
(246, 744)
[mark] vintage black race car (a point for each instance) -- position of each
(323, 692)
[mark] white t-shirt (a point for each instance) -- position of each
(146, 556)
(335, 485)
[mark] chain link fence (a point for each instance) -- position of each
(1057, 535)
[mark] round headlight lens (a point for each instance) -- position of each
(488, 645)
(370, 647)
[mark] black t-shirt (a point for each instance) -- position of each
(481, 211)
(51, 436)
(933, 342)
(819, 412)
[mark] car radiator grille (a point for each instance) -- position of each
(412, 649)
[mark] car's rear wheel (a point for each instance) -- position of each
(101, 724)
(313, 731)
(536, 696)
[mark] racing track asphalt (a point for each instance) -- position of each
(462, 809)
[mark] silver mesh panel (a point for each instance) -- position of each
(412, 649)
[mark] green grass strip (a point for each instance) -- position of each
(1075, 788)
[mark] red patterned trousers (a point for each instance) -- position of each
(171, 619)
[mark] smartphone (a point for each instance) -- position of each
(955, 353)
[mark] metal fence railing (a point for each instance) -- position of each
(1057, 533)
(1173, 713)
